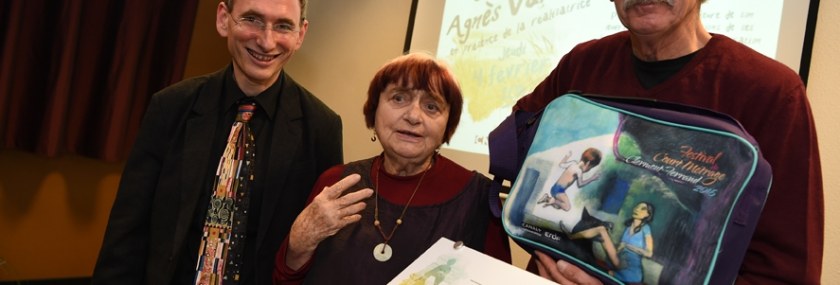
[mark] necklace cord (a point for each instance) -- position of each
(376, 222)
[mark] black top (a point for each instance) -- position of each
(651, 73)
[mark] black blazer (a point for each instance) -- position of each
(166, 171)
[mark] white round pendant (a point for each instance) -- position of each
(382, 252)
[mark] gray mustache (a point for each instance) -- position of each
(631, 3)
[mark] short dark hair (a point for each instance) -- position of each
(591, 155)
(421, 72)
(229, 4)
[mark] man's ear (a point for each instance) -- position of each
(304, 26)
(222, 23)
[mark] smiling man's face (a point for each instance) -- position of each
(259, 54)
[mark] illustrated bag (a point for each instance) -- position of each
(631, 190)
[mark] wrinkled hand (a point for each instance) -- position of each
(328, 213)
(562, 272)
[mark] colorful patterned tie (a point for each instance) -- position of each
(223, 242)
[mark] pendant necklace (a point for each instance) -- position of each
(382, 251)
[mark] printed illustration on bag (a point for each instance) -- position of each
(645, 201)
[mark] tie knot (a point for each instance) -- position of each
(246, 110)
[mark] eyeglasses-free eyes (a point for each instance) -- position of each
(254, 24)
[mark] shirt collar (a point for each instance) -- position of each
(266, 101)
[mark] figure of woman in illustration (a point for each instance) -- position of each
(636, 243)
(572, 172)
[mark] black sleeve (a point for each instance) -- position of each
(122, 258)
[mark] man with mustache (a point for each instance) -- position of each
(666, 54)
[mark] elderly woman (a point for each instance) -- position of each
(387, 210)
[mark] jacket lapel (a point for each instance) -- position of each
(199, 132)
(286, 139)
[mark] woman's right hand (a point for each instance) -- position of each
(328, 213)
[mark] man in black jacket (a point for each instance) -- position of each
(157, 222)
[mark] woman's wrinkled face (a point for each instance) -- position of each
(410, 123)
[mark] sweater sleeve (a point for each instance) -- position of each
(122, 258)
(787, 246)
(545, 91)
(561, 80)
